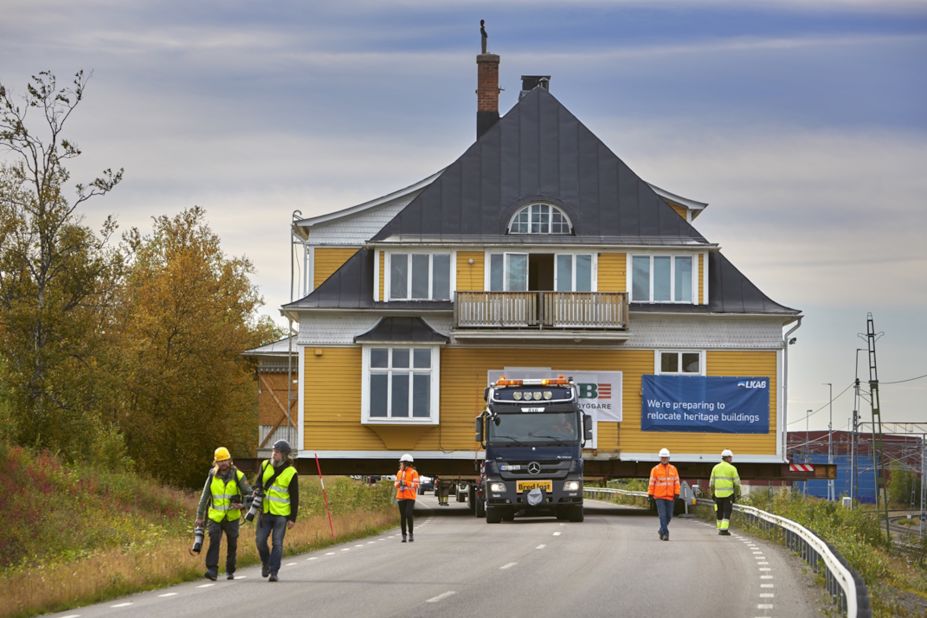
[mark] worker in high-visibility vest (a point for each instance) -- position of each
(278, 482)
(222, 495)
(725, 489)
(663, 489)
(407, 482)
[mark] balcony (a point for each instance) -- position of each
(541, 315)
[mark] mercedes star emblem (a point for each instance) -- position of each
(534, 468)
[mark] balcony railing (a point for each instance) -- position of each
(553, 310)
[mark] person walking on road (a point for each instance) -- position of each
(664, 490)
(441, 490)
(725, 489)
(406, 489)
(221, 502)
(278, 482)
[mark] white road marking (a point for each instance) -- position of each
(762, 563)
(441, 596)
(312, 558)
(757, 552)
(507, 566)
(121, 605)
(331, 553)
(765, 606)
(558, 533)
(765, 569)
(541, 546)
(205, 585)
(767, 585)
(346, 549)
(291, 564)
(361, 545)
(165, 595)
(241, 577)
(71, 616)
(370, 542)
(766, 577)
(767, 595)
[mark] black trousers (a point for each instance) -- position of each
(406, 515)
(215, 537)
(725, 508)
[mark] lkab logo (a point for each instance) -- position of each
(752, 384)
(595, 391)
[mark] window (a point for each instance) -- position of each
(573, 273)
(400, 385)
(540, 219)
(508, 272)
(661, 279)
(419, 276)
(685, 363)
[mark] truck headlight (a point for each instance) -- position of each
(571, 486)
(497, 488)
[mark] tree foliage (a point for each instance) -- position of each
(186, 316)
(56, 275)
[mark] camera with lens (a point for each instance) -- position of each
(257, 501)
(198, 533)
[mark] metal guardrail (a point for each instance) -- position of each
(845, 585)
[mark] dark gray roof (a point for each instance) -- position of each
(351, 287)
(401, 329)
(729, 291)
(539, 151)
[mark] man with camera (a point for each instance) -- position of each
(222, 494)
(279, 492)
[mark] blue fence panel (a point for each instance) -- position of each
(865, 482)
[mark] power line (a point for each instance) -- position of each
(908, 380)
(836, 397)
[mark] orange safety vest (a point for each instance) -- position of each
(409, 476)
(664, 482)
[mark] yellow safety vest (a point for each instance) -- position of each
(222, 493)
(724, 480)
(277, 496)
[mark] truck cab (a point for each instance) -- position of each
(533, 432)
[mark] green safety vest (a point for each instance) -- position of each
(222, 494)
(277, 496)
(724, 479)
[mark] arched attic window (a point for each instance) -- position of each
(540, 219)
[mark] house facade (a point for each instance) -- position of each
(538, 252)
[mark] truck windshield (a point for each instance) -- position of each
(534, 428)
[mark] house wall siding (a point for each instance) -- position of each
(332, 419)
(612, 269)
(470, 277)
(328, 260)
(359, 227)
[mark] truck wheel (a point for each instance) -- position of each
(493, 515)
(471, 499)
(480, 508)
(578, 514)
(508, 516)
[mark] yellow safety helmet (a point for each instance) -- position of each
(222, 454)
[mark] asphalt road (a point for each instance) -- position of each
(613, 564)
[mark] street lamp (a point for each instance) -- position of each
(808, 412)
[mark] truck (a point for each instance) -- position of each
(533, 432)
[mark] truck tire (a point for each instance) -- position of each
(480, 508)
(493, 515)
(577, 515)
(471, 499)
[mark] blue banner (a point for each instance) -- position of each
(705, 404)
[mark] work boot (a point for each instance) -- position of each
(210, 575)
(273, 577)
(726, 532)
(265, 570)
(411, 538)
(230, 575)
(403, 538)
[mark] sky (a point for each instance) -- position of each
(803, 125)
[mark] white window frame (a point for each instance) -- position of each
(435, 395)
(657, 365)
(594, 268)
(553, 209)
(388, 276)
(693, 260)
(487, 273)
(487, 266)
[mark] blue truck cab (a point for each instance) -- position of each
(533, 432)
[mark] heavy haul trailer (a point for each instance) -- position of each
(533, 431)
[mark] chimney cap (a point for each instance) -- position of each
(530, 82)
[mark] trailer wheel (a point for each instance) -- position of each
(480, 508)
(578, 514)
(471, 499)
(493, 515)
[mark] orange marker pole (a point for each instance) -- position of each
(328, 511)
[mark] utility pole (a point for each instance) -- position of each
(804, 487)
(881, 497)
(830, 437)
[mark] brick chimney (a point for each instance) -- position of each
(487, 92)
